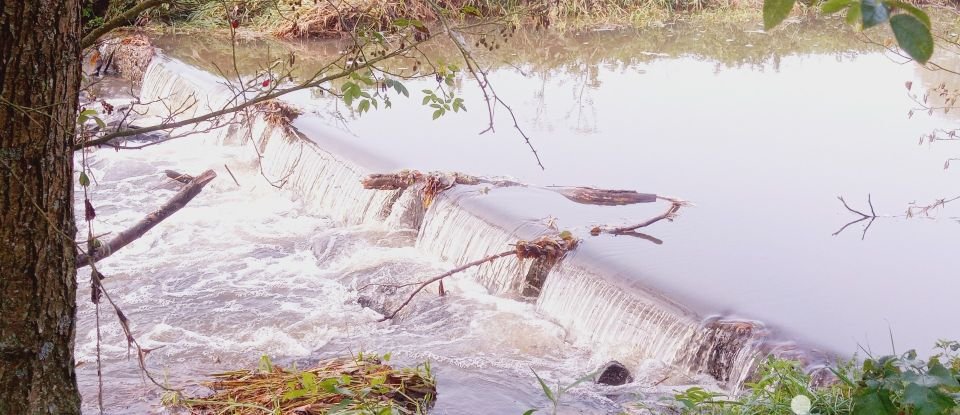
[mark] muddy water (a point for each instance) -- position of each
(761, 131)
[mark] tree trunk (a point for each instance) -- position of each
(39, 84)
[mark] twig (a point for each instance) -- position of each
(863, 216)
(90, 38)
(231, 175)
(854, 210)
(669, 214)
(444, 275)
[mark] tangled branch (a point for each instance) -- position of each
(547, 248)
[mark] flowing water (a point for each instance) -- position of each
(760, 131)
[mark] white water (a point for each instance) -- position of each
(589, 311)
(248, 269)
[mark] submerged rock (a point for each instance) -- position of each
(614, 374)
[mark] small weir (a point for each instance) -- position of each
(755, 267)
(629, 324)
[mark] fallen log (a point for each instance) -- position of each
(578, 194)
(177, 202)
(604, 197)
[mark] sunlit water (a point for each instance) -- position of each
(761, 133)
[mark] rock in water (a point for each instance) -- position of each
(614, 374)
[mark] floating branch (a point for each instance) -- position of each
(863, 216)
(549, 249)
(439, 181)
(917, 210)
(177, 202)
(670, 214)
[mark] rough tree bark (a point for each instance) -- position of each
(39, 84)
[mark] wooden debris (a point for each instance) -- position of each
(180, 177)
(550, 249)
(438, 181)
(669, 214)
(177, 202)
(277, 113)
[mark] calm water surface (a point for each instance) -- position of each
(761, 132)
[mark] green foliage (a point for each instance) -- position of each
(888, 385)
(362, 385)
(910, 25)
(913, 36)
(554, 395)
(775, 11)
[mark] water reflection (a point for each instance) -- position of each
(762, 131)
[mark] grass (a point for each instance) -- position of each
(361, 385)
(321, 18)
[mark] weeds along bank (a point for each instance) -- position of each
(316, 18)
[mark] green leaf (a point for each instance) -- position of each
(329, 385)
(775, 11)
(265, 365)
(909, 8)
(913, 37)
(546, 389)
(942, 374)
(438, 113)
(294, 394)
(386, 356)
(873, 13)
(84, 180)
(873, 402)
(468, 9)
(309, 381)
(100, 122)
(833, 6)
(529, 411)
(364, 106)
(927, 401)
(853, 13)
(401, 89)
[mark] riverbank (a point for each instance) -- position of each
(319, 19)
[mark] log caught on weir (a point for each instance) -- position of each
(177, 202)
(578, 194)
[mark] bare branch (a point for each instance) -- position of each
(91, 38)
(444, 275)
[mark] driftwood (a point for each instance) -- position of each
(177, 202)
(863, 216)
(583, 195)
(669, 214)
(180, 177)
(547, 248)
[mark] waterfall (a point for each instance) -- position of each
(633, 325)
(617, 321)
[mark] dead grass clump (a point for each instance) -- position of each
(129, 55)
(277, 113)
(363, 385)
(338, 18)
